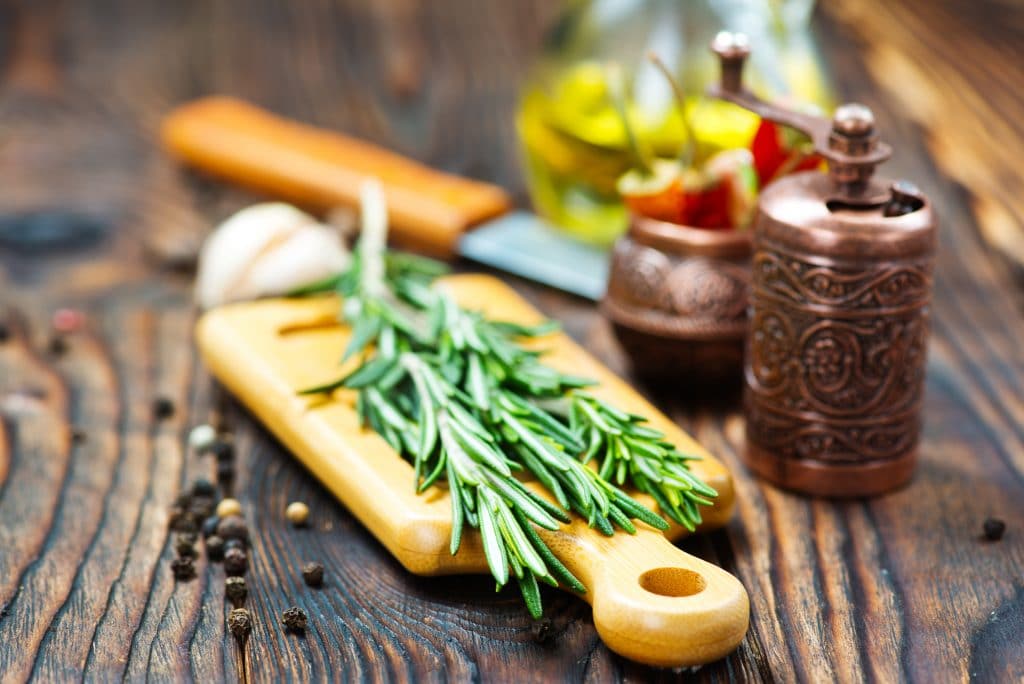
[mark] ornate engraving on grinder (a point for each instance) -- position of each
(836, 357)
(839, 308)
(677, 300)
(670, 296)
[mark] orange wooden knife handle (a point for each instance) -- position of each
(321, 169)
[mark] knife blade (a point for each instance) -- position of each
(430, 211)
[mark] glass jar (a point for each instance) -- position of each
(574, 142)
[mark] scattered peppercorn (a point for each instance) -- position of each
(203, 487)
(294, 619)
(189, 536)
(233, 527)
(185, 547)
(994, 529)
(181, 520)
(163, 408)
(203, 506)
(202, 437)
(240, 623)
(297, 513)
(210, 526)
(215, 548)
(78, 435)
(225, 474)
(542, 630)
(5, 332)
(58, 346)
(234, 544)
(236, 590)
(313, 573)
(236, 562)
(223, 450)
(184, 569)
(229, 507)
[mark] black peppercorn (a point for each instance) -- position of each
(203, 506)
(163, 408)
(994, 529)
(183, 568)
(240, 623)
(225, 474)
(203, 487)
(210, 526)
(294, 619)
(5, 332)
(236, 562)
(183, 521)
(313, 573)
(223, 450)
(215, 548)
(236, 590)
(184, 547)
(58, 345)
(234, 544)
(233, 527)
(78, 435)
(542, 630)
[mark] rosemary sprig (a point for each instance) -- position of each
(459, 396)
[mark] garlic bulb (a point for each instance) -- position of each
(265, 250)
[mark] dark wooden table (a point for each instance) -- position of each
(898, 588)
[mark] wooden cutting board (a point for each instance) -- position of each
(652, 602)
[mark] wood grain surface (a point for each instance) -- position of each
(898, 588)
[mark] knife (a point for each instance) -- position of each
(429, 211)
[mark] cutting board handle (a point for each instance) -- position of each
(652, 601)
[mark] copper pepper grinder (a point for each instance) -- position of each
(837, 338)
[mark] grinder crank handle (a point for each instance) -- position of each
(652, 601)
(428, 209)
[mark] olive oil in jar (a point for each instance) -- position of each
(573, 141)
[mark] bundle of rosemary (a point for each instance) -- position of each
(458, 395)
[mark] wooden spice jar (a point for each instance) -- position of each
(677, 300)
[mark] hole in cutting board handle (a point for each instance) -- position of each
(670, 581)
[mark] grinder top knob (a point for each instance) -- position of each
(848, 141)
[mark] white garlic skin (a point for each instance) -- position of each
(266, 250)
